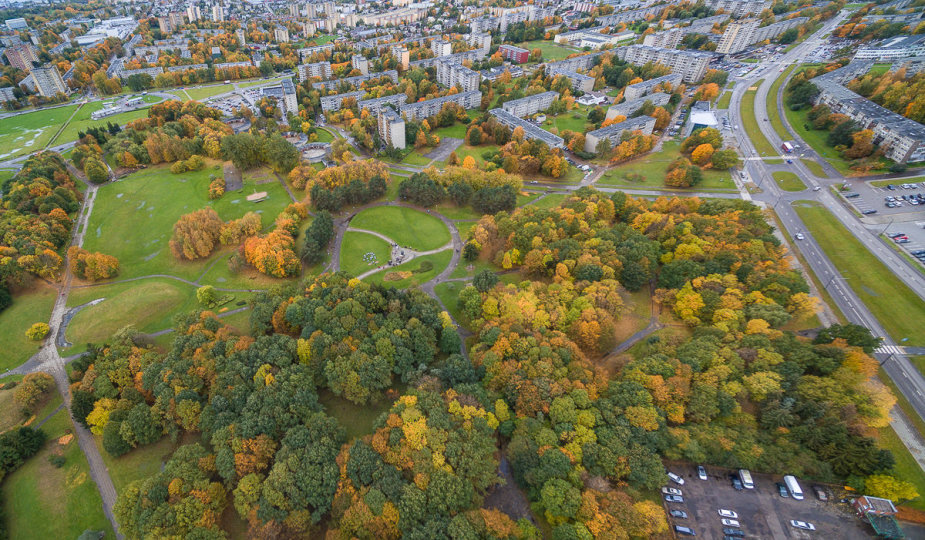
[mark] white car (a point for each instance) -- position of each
(727, 513)
(802, 525)
(730, 522)
(799, 236)
(671, 491)
(676, 479)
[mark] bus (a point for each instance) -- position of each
(793, 487)
(746, 478)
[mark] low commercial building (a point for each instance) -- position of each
(320, 70)
(334, 103)
(450, 74)
(531, 130)
(514, 54)
(627, 108)
(530, 105)
(392, 129)
(613, 132)
(426, 109)
(593, 38)
(356, 81)
(635, 91)
(691, 65)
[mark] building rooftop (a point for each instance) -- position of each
(531, 130)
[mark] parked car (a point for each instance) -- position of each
(869, 212)
(727, 513)
(730, 522)
(820, 493)
(736, 483)
(701, 472)
(782, 490)
(678, 514)
(676, 479)
(799, 236)
(896, 234)
(674, 498)
(733, 532)
(802, 525)
(671, 491)
(891, 187)
(687, 531)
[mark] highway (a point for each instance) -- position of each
(906, 377)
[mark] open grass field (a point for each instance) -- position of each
(550, 50)
(358, 420)
(899, 310)
(357, 244)
(452, 211)
(814, 167)
(457, 131)
(439, 260)
(724, 100)
(406, 226)
(653, 166)
(575, 120)
(260, 82)
(30, 132)
(82, 121)
(30, 306)
(550, 201)
(133, 219)
(43, 501)
(750, 123)
(464, 227)
(771, 103)
(199, 94)
(141, 462)
(448, 293)
(788, 181)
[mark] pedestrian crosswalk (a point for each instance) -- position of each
(889, 349)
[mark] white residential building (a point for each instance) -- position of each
(452, 73)
(392, 129)
(691, 65)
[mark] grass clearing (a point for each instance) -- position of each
(724, 100)
(355, 245)
(814, 167)
(653, 166)
(201, 93)
(750, 123)
(771, 103)
(788, 181)
(43, 501)
(30, 132)
(438, 262)
(457, 131)
(550, 50)
(575, 120)
(406, 226)
(899, 310)
(133, 219)
(358, 420)
(29, 307)
(82, 121)
(141, 462)
(550, 201)
(454, 212)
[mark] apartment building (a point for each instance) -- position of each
(281, 34)
(357, 80)
(902, 138)
(218, 13)
(392, 129)
(290, 98)
(152, 72)
(614, 132)
(642, 14)
(451, 73)
(628, 108)
(894, 48)
(581, 82)
(480, 40)
(45, 80)
(176, 69)
(402, 55)
(577, 63)
(691, 65)
(307, 52)
(359, 62)
(377, 105)
(426, 109)
(334, 103)
(21, 56)
(320, 70)
(705, 25)
(530, 105)
(514, 54)
(738, 36)
(241, 37)
(636, 91)
(531, 130)
(739, 8)
(193, 13)
(472, 56)
(441, 47)
(667, 39)
(6, 94)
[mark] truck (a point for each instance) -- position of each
(787, 147)
(795, 491)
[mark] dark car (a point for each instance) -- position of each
(820, 493)
(869, 212)
(733, 532)
(782, 490)
(736, 483)
(891, 187)
(674, 498)
(678, 514)
(684, 530)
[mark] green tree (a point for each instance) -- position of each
(206, 296)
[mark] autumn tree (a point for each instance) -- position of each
(196, 234)
(91, 266)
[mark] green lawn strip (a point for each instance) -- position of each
(899, 310)
(416, 158)
(439, 260)
(771, 103)
(358, 420)
(724, 100)
(406, 226)
(526, 197)
(550, 50)
(917, 264)
(199, 94)
(885, 183)
(357, 244)
(448, 293)
(750, 123)
(906, 467)
(788, 181)
(261, 82)
(468, 269)
(43, 501)
(814, 167)
(817, 140)
(464, 227)
(551, 201)
(452, 211)
(902, 402)
(133, 219)
(30, 132)
(29, 307)
(653, 169)
(82, 121)
(324, 135)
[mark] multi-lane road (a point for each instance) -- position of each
(907, 378)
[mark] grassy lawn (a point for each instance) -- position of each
(899, 310)
(884, 183)
(771, 103)
(324, 135)
(575, 120)
(439, 260)
(43, 501)
(464, 227)
(357, 419)
(406, 226)
(261, 82)
(814, 167)
(199, 94)
(817, 140)
(133, 219)
(30, 132)
(452, 211)
(457, 131)
(906, 468)
(476, 153)
(448, 293)
(653, 166)
(788, 181)
(31, 306)
(551, 201)
(724, 100)
(750, 123)
(141, 462)
(357, 244)
(551, 50)
(82, 121)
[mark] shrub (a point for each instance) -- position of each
(37, 331)
(216, 188)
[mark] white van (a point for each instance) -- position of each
(746, 478)
(795, 491)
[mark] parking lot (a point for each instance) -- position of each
(875, 198)
(914, 233)
(762, 512)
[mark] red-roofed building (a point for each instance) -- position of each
(514, 54)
